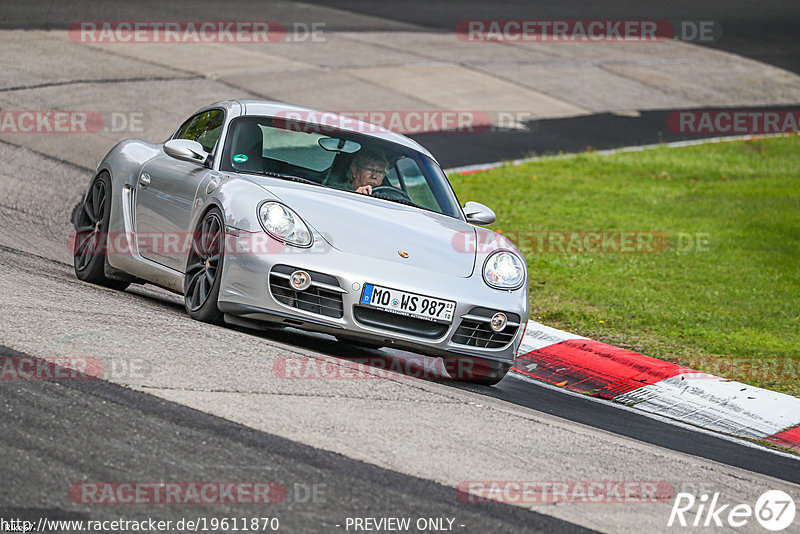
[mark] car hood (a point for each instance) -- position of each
(365, 226)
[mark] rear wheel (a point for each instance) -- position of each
(204, 270)
(475, 370)
(91, 235)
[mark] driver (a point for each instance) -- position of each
(367, 170)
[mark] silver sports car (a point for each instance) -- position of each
(264, 214)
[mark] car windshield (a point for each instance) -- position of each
(331, 158)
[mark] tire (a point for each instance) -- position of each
(91, 235)
(475, 370)
(204, 269)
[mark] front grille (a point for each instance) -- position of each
(399, 323)
(475, 330)
(323, 297)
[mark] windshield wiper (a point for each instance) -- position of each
(312, 182)
(290, 177)
(399, 201)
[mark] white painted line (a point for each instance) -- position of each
(718, 404)
(656, 417)
(538, 336)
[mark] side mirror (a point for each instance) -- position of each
(479, 214)
(186, 150)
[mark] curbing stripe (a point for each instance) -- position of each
(602, 370)
(788, 438)
(679, 393)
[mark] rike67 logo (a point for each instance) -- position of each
(774, 510)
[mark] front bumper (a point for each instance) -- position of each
(245, 293)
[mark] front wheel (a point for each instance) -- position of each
(91, 222)
(204, 270)
(475, 370)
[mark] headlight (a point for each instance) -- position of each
(504, 270)
(282, 223)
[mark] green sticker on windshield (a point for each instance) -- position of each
(239, 158)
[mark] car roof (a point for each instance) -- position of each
(340, 122)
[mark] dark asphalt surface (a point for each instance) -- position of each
(765, 31)
(626, 423)
(551, 136)
(137, 437)
(591, 412)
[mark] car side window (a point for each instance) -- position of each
(415, 183)
(205, 128)
(391, 177)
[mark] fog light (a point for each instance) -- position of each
(499, 321)
(300, 280)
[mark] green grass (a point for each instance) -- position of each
(730, 307)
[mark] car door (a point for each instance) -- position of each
(166, 193)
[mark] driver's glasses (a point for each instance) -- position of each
(374, 171)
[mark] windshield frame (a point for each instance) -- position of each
(431, 170)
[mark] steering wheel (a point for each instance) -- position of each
(387, 191)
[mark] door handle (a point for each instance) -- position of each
(144, 181)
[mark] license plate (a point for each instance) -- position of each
(408, 304)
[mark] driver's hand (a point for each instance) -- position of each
(365, 190)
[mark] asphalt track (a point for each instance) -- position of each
(322, 488)
(599, 131)
(764, 31)
(600, 414)
(58, 433)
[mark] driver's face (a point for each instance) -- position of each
(368, 174)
